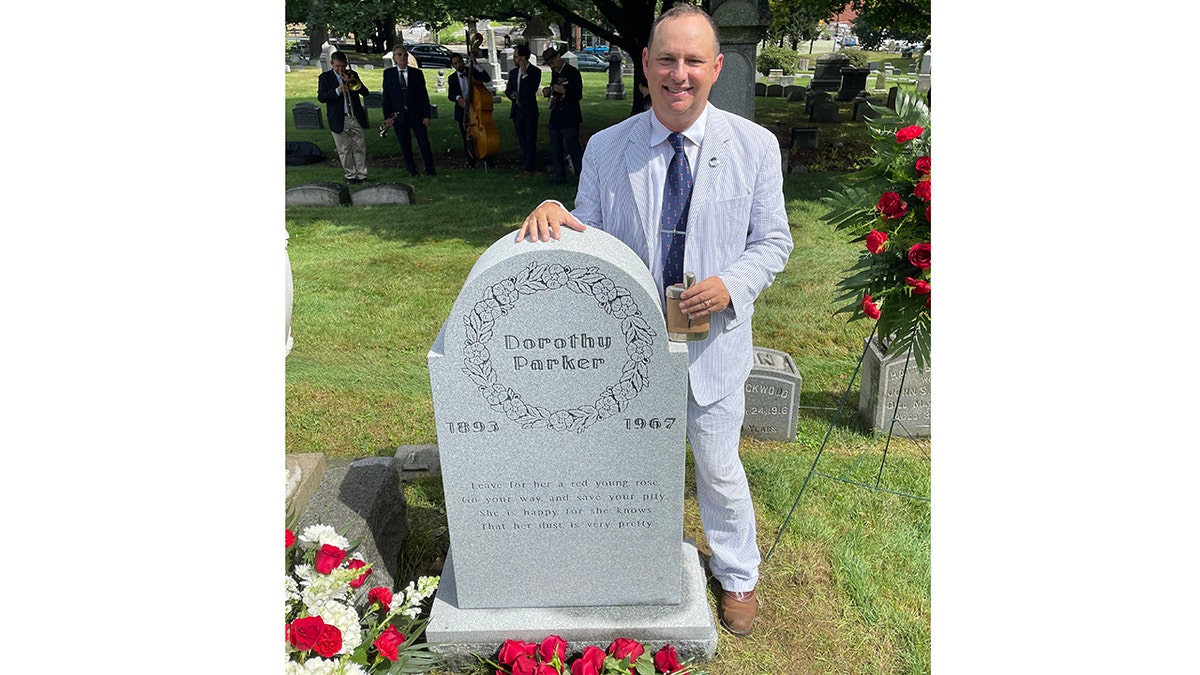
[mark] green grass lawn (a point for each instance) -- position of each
(847, 589)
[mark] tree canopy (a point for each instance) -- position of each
(879, 20)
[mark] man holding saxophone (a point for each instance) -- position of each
(341, 90)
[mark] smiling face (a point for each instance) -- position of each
(681, 66)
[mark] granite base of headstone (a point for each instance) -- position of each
(787, 81)
(774, 75)
(823, 112)
(364, 499)
(457, 634)
(324, 193)
(772, 396)
(561, 413)
(307, 115)
(881, 382)
(304, 473)
(614, 91)
(384, 194)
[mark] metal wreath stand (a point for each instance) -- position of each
(812, 471)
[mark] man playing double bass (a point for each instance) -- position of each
(460, 95)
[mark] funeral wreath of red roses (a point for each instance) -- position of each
(500, 298)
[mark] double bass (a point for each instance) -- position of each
(483, 139)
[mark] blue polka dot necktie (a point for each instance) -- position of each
(677, 197)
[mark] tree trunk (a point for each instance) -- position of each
(317, 35)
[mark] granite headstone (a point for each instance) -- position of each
(307, 115)
(384, 194)
(882, 398)
(772, 394)
(323, 193)
(561, 414)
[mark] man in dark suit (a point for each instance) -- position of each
(406, 109)
(347, 117)
(564, 92)
(522, 90)
(460, 94)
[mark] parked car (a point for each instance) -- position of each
(431, 55)
(591, 62)
(597, 49)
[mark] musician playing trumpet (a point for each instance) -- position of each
(341, 91)
(565, 92)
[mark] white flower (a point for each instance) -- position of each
(321, 590)
(315, 536)
(291, 592)
(319, 666)
(346, 620)
(293, 668)
(352, 668)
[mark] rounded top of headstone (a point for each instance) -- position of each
(831, 58)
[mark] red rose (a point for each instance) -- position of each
(919, 286)
(891, 205)
(328, 558)
(590, 663)
(388, 643)
(927, 214)
(523, 665)
(923, 165)
(381, 595)
(303, 633)
(289, 538)
(553, 646)
(927, 301)
(918, 255)
(358, 564)
(870, 308)
(876, 240)
(581, 667)
(666, 660)
(330, 641)
(545, 669)
(908, 133)
(622, 647)
(921, 190)
(511, 649)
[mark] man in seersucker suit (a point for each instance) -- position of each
(737, 240)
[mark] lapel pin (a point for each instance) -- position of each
(713, 162)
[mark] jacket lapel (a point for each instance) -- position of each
(714, 159)
(637, 163)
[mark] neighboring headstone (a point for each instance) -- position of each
(854, 80)
(383, 194)
(433, 111)
(561, 413)
(774, 91)
(774, 75)
(828, 74)
(307, 115)
(441, 79)
(787, 80)
(327, 50)
(862, 110)
(805, 138)
(742, 24)
(912, 69)
(802, 64)
(812, 97)
(772, 396)
(880, 81)
(367, 66)
(824, 111)
(615, 90)
(373, 99)
(892, 94)
(302, 153)
(795, 93)
(318, 194)
(364, 499)
(873, 66)
(304, 472)
(882, 376)
(888, 69)
(923, 77)
(760, 89)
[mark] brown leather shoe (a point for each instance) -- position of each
(738, 611)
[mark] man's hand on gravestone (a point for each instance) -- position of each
(705, 297)
(543, 224)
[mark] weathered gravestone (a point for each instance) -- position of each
(383, 194)
(774, 75)
(772, 394)
(760, 88)
(774, 90)
(795, 93)
(812, 96)
(561, 414)
(854, 80)
(862, 109)
(324, 193)
(892, 94)
(307, 115)
(373, 100)
(823, 111)
(828, 73)
(805, 137)
(882, 398)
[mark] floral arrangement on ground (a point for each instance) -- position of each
(886, 206)
(623, 657)
(331, 628)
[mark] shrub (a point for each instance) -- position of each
(858, 58)
(771, 57)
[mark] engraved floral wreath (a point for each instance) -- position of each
(501, 297)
